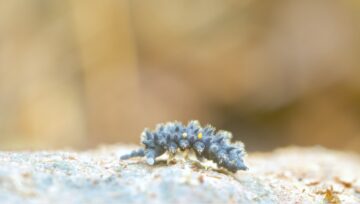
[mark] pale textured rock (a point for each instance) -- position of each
(291, 175)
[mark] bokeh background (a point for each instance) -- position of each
(79, 73)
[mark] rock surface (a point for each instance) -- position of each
(289, 175)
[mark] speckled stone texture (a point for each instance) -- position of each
(289, 175)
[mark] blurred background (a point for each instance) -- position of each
(76, 73)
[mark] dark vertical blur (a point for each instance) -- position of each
(76, 73)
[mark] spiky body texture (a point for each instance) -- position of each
(205, 141)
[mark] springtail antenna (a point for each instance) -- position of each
(135, 153)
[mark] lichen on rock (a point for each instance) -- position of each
(290, 175)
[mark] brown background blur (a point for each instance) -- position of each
(79, 73)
